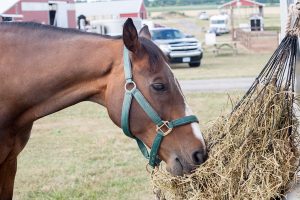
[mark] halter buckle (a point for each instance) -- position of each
(164, 128)
(129, 84)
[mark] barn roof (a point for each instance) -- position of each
(245, 3)
(108, 8)
(7, 4)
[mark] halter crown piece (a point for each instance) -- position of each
(163, 128)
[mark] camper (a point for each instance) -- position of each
(112, 27)
(219, 24)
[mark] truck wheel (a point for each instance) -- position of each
(197, 64)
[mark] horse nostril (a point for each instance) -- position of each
(199, 157)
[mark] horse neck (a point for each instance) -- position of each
(70, 75)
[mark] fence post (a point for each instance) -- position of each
(284, 5)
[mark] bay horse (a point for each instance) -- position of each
(44, 69)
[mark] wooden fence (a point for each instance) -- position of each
(258, 40)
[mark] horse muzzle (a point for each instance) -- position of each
(178, 166)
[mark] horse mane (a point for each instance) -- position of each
(38, 26)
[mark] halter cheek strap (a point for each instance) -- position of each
(163, 128)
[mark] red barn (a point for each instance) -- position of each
(112, 9)
(244, 3)
(59, 13)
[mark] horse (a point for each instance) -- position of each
(44, 69)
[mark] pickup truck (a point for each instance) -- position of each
(178, 47)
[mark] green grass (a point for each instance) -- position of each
(272, 21)
(224, 66)
(78, 153)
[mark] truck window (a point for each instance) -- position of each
(167, 34)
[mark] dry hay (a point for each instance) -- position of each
(253, 151)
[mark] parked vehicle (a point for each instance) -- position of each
(203, 16)
(112, 27)
(220, 24)
(178, 47)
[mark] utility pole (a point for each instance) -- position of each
(232, 23)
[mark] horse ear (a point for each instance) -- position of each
(144, 32)
(130, 36)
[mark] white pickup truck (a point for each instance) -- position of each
(178, 47)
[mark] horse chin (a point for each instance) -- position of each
(175, 167)
(178, 167)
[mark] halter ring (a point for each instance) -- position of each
(127, 84)
(151, 170)
(164, 128)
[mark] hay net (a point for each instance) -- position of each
(253, 151)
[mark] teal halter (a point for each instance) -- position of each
(163, 128)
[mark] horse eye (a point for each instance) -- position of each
(159, 86)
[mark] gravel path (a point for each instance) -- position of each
(216, 85)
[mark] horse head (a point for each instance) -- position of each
(182, 147)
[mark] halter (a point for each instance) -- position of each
(163, 128)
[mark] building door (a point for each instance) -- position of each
(58, 13)
(52, 14)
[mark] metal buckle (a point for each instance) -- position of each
(164, 126)
(127, 84)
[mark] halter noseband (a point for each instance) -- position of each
(163, 128)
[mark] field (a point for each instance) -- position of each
(225, 66)
(78, 153)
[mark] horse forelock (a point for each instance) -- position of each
(156, 57)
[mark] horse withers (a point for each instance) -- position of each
(44, 69)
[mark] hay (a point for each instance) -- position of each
(253, 151)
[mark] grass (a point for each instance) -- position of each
(225, 66)
(78, 153)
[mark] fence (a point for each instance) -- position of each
(258, 40)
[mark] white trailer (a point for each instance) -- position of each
(111, 27)
(220, 23)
